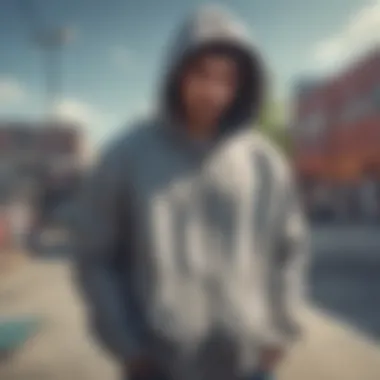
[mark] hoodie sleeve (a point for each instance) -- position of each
(98, 241)
(289, 268)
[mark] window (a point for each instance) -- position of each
(356, 109)
(67, 143)
(311, 130)
(59, 141)
(376, 96)
(22, 138)
(315, 125)
(3, 140)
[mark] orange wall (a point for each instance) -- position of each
(349, 150)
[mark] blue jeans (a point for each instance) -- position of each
(262, 376)
(257, 376)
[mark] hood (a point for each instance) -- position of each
(213, 28)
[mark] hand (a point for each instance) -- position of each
(270, 357)
(141, 365)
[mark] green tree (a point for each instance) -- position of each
(273, 124)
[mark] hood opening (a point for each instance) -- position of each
(215, 29)
(250, 93)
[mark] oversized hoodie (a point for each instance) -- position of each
(194, 255)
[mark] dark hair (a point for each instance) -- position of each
(250, 87)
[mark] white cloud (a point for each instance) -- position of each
(121, 56)
(98, 126)
(75, 111)
(358, 36)
(88, 118)
(11, 91)
(142, 109)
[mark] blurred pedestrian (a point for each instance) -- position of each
(191, 241)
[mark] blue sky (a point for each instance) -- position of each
(111, 66)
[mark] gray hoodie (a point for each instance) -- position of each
(194, 255)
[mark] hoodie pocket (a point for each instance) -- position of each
(180, 313)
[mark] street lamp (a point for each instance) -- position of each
(51, 43)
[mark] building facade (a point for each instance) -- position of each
(337, 124)
(31, 154)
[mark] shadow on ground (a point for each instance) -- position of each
(344, 282)
(349, 288)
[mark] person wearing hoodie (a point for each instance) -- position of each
(191, 244)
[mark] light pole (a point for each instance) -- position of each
(50, 40)
(51, 43)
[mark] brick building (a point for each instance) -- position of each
(337, 124)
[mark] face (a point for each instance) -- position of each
(208, 89)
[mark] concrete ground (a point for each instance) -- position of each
(62, 350)
(10, 261)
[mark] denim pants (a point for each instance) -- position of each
(262, 376)
(257, 376)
